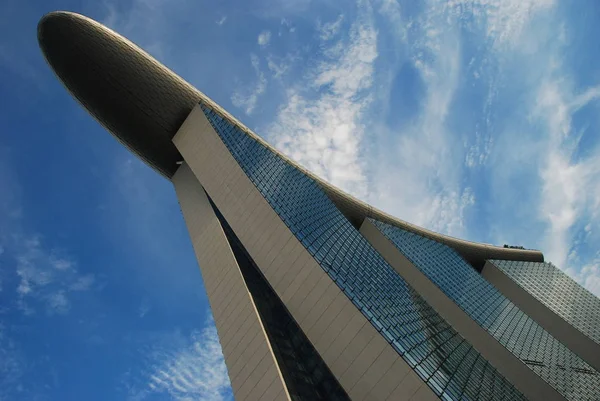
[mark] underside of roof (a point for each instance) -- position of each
(142, 103)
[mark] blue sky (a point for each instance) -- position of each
(474, 118)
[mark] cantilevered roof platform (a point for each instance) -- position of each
(143, 103)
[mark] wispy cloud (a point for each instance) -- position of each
(37, 276)
(279, 66)
(418, 176)
(287, 24)
(569, 184)
(58, 303)
(221, 20)
(45, 279)
(264, 38)
(319, 124)
(451, 164)
(329, 29)
(504, 20)
(184, 368)
(247, 98)
(144, 308)
(589, 275)
(83, 283)
(12, 365)
(543, 182)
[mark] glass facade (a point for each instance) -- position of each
(306, 376)
(558, 292)
(512, 328)
(438, 354)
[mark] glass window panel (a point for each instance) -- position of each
(414, 329)
(515, 330)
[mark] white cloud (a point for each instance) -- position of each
(12, 365)
(34, 267)
(586, 274)
(264, 38)
(589, 277)
(281, 65)
(61, 264)
(586, 97)
(111, 18)
(325, 133)
(417, 175)
(278, 69)
(504, 20)
(421, 172)
(247, 98)
(330, 29)
(545, 189)
(83, 283)
(287, 24)
(478, 152)
(57, 303)
(45, 279)
(144, 308)
(390, 9)
(570, 185)
(185, 368)
(221, 20)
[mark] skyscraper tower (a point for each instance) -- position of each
(315, 294)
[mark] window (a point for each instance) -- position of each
(520, 334)
(425, 341)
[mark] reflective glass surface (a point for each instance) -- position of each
(441, 357)
(306, 376)
(520, 334)
(558, 292)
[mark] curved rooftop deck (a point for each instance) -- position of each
(143, 103)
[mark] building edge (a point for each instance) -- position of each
(574, 339)
(185, 96)
(510, 366)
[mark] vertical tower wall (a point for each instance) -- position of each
(519, 333)
(508, 364)
(366, 366)
(241, 333)
(560, 305)
(374, 339)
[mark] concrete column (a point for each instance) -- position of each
(366, 366)
(575, 340)
(511, 367)
(243, 339)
